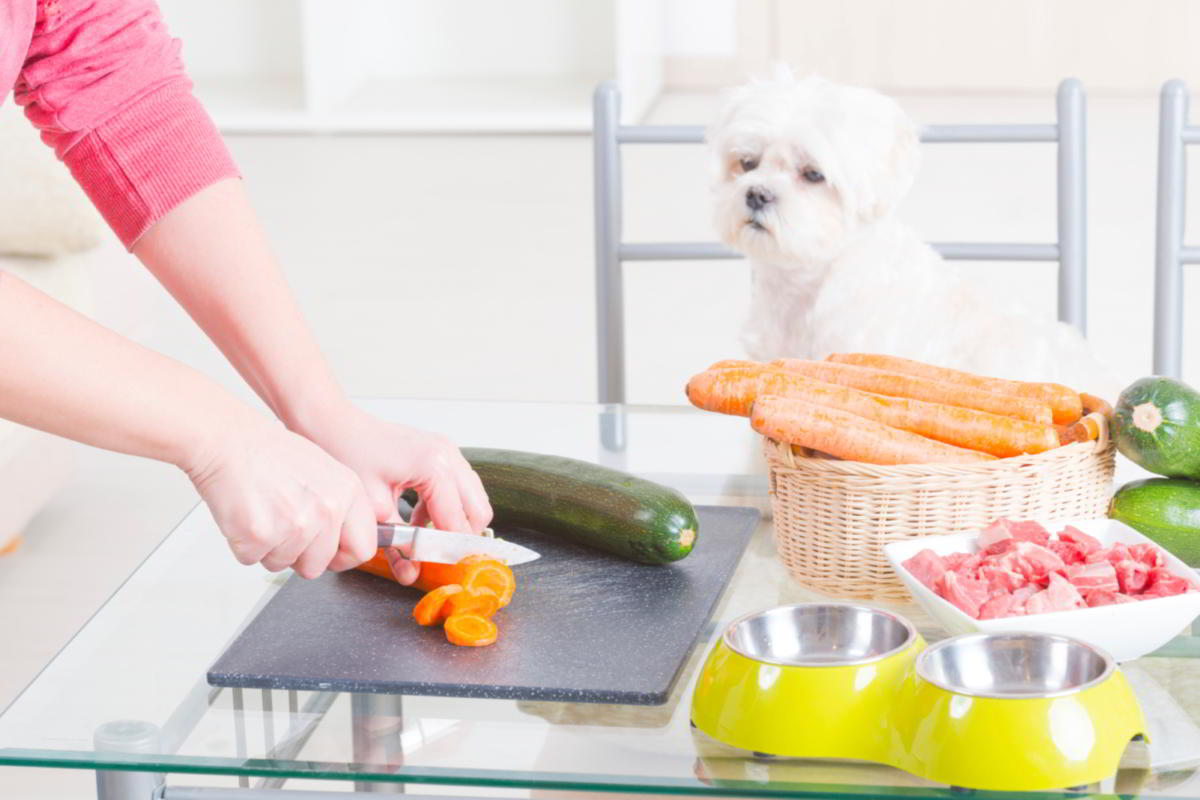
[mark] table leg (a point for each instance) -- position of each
(377, 722)
(127, 736)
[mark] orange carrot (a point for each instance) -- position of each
(470, 630)
(726, 391)
(1095, 405)
(434, 607)
(1064, 403)
(849, 436)
(964, 427)
(734, 362)
(472, 572)
(895, 384)
(482, 601)
(1086, 429)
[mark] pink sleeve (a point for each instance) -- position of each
(105, 84)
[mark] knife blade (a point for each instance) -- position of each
(448, 547)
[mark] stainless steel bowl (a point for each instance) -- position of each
(1013, 665)
(819, 635)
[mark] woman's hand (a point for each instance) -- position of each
(389, 458)
(283, 501)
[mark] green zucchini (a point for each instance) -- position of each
(1156, 424)
(1166, 510)
(586, 503)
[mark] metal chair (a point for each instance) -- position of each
(1170, 253)
(1070, 250)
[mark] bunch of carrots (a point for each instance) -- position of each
(883, 409)
(461, 597)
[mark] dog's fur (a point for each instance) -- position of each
(809, 174)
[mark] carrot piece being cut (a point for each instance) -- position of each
(435, 606)
(895, 384)
(849, 436)
(378, 565)
(1063, 401)
(473, 572)
(470, 630)
(481, 601)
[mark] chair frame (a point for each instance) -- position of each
(1170, 252)
(1070, 250)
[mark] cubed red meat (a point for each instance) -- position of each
(926, 566)
(1001, 605)
(1099, 555)
(1088, 577)
(967, 594)
(1069, 552)
(1030, 532)
(1132, 576)
(1103, 597)
(996, 538)
(1040, 561)
(1086, 543)
(1119, 552)
(1164, 583)
(954, 560)
(999, 578)
(1059, 595)
(1148, 554)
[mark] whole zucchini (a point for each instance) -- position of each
(587, 503)
(1156, 425)
(1164, 509)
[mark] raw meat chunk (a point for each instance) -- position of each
(955, 560)
(996, 538)
(1001, 605)
(1148, 554)
(926, 566)
(1060, 595)
(1119, 552)
(966, 594)
(1069, 552)
(1088, 577)
(1132, 576)
(1030, 532)
(1103, 597)
(1099, 555)
(1163, 583)
(1040, 561)
(1087, 544)
(1000, 578)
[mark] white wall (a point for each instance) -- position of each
(701, 28)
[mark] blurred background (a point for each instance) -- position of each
(424, 170)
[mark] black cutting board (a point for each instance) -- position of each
(584, 626)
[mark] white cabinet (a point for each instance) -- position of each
(417, 65)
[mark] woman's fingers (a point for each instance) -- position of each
(444, 504)
(474, 501)
(406, 571)
(320, 551)
(358, 540)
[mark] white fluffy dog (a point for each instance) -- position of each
(809, 174)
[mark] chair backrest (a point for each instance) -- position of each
(1170, 253)
(1070, 250)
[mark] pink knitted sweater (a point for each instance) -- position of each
(104, 82)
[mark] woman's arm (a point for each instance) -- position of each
(278, 498)
(211, 255)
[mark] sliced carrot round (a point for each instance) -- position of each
(433, 608)
(491, 575)
(470, 630)
(482, 601)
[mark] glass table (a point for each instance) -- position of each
(127, 696)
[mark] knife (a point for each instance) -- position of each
(447, 547)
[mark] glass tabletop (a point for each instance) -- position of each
(144, 654)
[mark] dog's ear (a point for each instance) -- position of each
(898, 165)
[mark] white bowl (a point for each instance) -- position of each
(1124, 630)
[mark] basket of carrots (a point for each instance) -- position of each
(865, 449)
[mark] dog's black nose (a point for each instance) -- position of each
(757, 197)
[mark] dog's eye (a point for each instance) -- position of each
(812, 175)
(749, 164)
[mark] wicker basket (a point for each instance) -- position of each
(832, 518)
